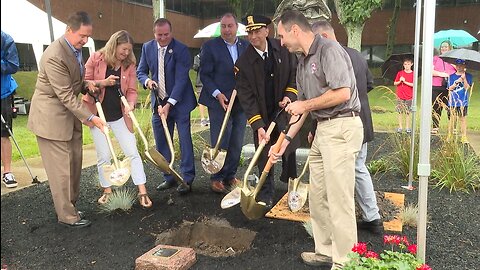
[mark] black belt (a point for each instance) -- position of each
(340, 115)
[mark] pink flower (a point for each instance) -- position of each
(405, 240)
(412, 248)
(424, 267)
(371, 254)
(360, 248)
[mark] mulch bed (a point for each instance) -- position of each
(31, 238)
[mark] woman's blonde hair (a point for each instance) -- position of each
(118, 38)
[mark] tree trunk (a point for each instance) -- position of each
(156, 9)
(392, 27)
(354, 33)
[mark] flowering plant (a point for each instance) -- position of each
(403, 259)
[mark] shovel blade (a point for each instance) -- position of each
(158, 160)
(117, 176)
(213, 164)
(232, 198)
(250, 208)
(298, 197)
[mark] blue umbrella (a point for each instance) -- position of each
(456, 37)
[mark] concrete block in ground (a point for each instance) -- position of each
(163, 257)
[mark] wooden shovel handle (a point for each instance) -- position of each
(101, 114)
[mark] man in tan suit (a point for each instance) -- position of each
(56, 116)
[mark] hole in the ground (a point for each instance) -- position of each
(210, 237)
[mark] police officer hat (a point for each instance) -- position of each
(254, 22)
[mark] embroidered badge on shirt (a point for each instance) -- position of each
(314, 67)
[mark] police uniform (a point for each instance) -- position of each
(261, 84)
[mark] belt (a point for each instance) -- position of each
(340, 115)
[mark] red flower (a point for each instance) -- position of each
(371, 254)
(392, 239)
(405, 240)
(424, 267)
(412, 248)
(360, 248)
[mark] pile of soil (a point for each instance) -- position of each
(32, 238)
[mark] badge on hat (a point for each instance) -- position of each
(254, 22)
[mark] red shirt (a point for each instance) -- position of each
(404, 91)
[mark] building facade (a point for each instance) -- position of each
(188, 16)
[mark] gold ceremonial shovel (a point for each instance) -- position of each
(233, 197)
(214, 159)
(169, 168)
(118, 173)
(151, 153)
(297, 191)
(250, 207)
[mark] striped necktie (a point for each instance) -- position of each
(162, 93)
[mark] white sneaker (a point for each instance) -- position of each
(9, 180)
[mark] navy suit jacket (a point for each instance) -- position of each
(177, 67)
(217, 70)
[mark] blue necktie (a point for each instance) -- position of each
(78, 55)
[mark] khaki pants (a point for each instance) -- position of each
(332, 182)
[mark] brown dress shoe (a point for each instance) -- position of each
(218, 187)
(235, 182)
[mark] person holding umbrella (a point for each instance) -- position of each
(441, 71)
(458, 85)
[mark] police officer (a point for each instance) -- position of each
(265, 81)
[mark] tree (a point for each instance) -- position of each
(391, 29)
(242, 7)
(156, 8)
(352, 15)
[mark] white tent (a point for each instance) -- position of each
(28, 24)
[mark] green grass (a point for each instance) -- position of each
(381, 100)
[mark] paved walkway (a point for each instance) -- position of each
(89, 158)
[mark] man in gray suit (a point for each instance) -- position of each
(56, 116)
(366, 197)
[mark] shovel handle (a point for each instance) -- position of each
(224, 124)
(101, 114)
(168, 137)
(134, 119)
(258, 152)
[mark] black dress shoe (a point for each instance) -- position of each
(375, 226)
(79, 224)
(184, 189)
(166, 185)
(81, 214)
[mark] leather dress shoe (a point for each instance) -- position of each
(79, 224)
(234, 182)
(184, 189)
(166, 185)
(81, 214)
(218, 187)
(375, 226)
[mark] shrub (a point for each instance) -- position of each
(400, 159)
(378, 165)
(456, 167)
(120, 199)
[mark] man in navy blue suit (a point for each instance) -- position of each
(218, 77)
(168, 62)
